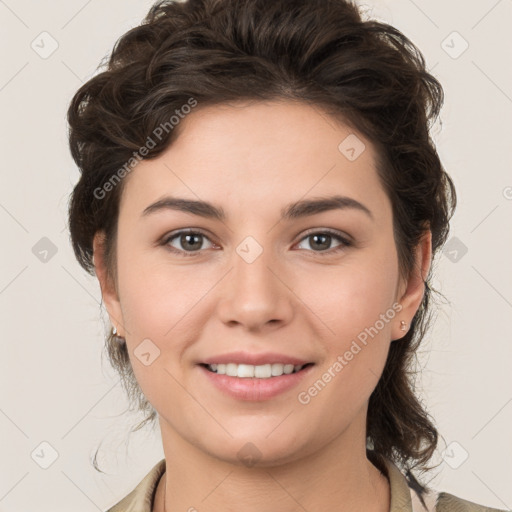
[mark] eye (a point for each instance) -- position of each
(188, 242)
(322, 240)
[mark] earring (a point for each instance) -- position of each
(403, 325)
(117, 339)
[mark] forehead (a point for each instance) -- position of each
(257, 156)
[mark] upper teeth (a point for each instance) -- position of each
(263, 371)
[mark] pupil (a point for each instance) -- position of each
(187, 238)
(324, 237)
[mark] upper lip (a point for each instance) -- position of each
(254, 359)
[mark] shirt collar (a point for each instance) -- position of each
(403, 498)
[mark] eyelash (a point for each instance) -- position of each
(334, 234)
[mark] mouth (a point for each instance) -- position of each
(248, 371)
(255, 383)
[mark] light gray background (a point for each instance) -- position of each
(54, 386)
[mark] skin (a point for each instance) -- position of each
(296, 298)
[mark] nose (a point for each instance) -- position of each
(255, 295)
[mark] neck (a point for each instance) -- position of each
(322, 480)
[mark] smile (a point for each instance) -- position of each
(250, 387)
(264, 371)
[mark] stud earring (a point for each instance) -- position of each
(117, 338)
(403, 325)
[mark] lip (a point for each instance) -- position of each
(254, 389)
(254, 359)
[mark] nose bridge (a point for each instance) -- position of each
(253, 294)
(252, 271)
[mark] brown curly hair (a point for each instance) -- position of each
(364, 72)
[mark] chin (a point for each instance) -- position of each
(258, 451)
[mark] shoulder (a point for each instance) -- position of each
(447, 502)
(408, 497)
(432, 500)
(141, 498)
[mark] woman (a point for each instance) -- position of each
(261, 202)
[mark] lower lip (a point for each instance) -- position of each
(246, 388)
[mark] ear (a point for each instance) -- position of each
(107, 284)
(411, 292)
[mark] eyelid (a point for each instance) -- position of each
(174, 234)
(346, 240)
(329, 231)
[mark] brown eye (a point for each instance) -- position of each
(186, 242)
(320, 241)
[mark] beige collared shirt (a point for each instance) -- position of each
(403, 498)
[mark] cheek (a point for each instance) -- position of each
(351, 297)
(158, 305)
(355, 301)
(157, 297)
(165, 304)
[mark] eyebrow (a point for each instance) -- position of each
(299, 209)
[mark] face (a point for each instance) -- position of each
(260, 272)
